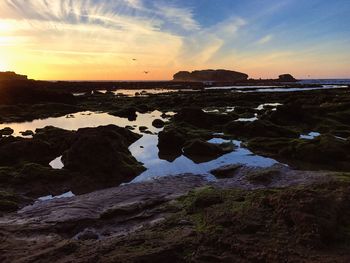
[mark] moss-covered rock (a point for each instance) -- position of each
(259, 128)
(201, 151)
(102, 154)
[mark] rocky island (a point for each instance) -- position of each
(226, 76)
(219, 75)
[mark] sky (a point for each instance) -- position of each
(123, 39)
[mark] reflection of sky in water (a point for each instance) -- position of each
(50, 197)
(157, 167)
(145, 150)
(310, 136)
(275, 105)
(57, 163)
(84, 120)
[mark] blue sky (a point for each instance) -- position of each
(96, 39)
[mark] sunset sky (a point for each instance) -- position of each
(120, 39)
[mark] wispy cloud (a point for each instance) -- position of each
(182, 17)
(100, 38)
(264, 40)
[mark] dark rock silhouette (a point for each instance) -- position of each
(14, 150)
(220, 75)
(158, 123)
(6, 131)
(201, 151)
(102, 154)
(197, 117)
(9, 75)
(286, 78)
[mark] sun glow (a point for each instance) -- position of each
(3, 66)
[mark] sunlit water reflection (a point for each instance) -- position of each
(145, 150)
(156, 167)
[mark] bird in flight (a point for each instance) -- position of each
(134, 59)
(146, 72)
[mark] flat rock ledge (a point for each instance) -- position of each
(121, 211)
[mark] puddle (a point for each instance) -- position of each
(57, 163)
(274, 105)
(51, 197)
(157, 167)
(88, 119)
(255, 118)
(310, 136)
(222, 110)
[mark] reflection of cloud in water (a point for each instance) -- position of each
(157, 167)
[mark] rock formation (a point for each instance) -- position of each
(210, 75)
(286, 78)
(9, 75)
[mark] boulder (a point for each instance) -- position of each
(102, 154)
(201, 151)
(259, 128)
(59, 139)
(27, 133)
(158, 123)
(198, 118)
(129, 113)
(170, 143)
(7, 131)
(16, 150)
(226, 171)
(286, 78)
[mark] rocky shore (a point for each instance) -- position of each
(187, 218)
(295, 210)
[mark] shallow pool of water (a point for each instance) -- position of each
(87, 119)
(146, 151)
(57, 163)
(51, 197)
(310, 136)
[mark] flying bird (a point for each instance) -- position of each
(146, 72)
(134, 59)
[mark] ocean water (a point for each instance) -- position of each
(325, 81)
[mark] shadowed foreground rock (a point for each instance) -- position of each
(231, 220)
